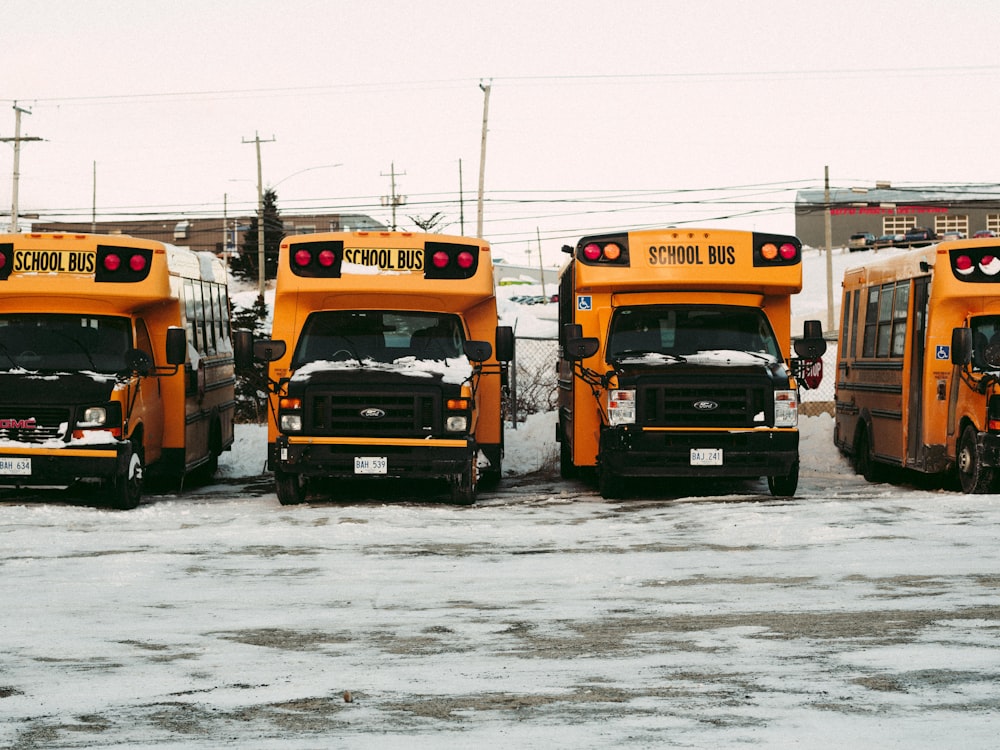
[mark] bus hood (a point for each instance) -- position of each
(740, 364)
(56, 387)
(455, 371)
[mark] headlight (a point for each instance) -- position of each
(93, 416)
(621, 406)
(290, 422)
(456, 424)
(786, 408)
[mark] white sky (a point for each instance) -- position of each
(589, 99)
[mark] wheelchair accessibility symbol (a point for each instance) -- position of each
(942, 351)
(584, 302)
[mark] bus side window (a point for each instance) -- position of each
(142, 341)
(191, 315)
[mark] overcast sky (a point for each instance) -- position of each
(658, 113)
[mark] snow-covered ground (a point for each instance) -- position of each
(691, 615)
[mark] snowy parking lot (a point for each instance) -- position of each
(854, 615)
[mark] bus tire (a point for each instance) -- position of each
(290, 487)
(126, 489)
(972, 475)
(610, 485)
(786, 484)
(567, 470)
(463, 485)
(864, 455)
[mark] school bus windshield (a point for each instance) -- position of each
(683, 330)
(64, 343)
(378, 335)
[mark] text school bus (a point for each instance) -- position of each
(918, 381)
(382, 363)
(673, 347)
(115, 358)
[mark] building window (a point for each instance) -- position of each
(949, 223)
(898, 224)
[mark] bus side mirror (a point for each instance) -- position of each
(477, 351)
(176, 346)
(268, 350)
(243, 349)
(570, 331)
(812, 345)
(961, 346)
(578, 348)
(137, 361)
(505, 343)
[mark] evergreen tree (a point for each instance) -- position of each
(245, 265)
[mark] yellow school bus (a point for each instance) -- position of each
(386, 361)
(674, 347)
(115, 358)
(918, 373)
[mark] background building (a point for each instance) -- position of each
(216, 234)
(885, 210)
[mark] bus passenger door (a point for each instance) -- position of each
(916, 396)
(149, 404)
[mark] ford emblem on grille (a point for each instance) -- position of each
(705, 405)
(372, 413)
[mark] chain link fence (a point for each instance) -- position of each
(533, 378)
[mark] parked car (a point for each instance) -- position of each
(919, 236)
(953, 235)
(984, 233)
(861, 241)
(888, 240)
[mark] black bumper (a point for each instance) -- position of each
(62, 467)
(747, 453)
(336, 460)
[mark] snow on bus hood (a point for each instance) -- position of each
(57, 387)
(715, 357)
(456, 370)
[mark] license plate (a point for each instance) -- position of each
(371, 465)
(706, 456)
(15, 466)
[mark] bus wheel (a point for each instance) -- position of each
(610, 485)
(463, 486)
(290, 487)
(126, 489)
(864, 455)
(974, 477)
(566, 468)
(784, 486)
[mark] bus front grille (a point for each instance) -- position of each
(372, 414)
(693, 405)
(26, 424)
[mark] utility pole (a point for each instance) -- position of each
(461, 200)
(17, 162)
(260, 217)
(829, 249)
(93, 203)
(541, 268)
(482, 158)
(393, 200)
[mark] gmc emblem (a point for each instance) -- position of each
(17, 424)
